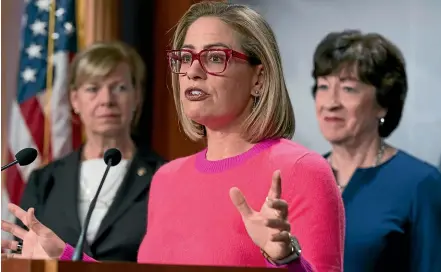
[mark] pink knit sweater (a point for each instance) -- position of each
(192, 221)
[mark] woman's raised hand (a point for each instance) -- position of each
(38, 243)
(268, 228)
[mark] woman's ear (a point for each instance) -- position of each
(73, 96)
(381, 112)
(138, 97)
(258, 80)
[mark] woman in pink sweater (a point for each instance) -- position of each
(253, 197)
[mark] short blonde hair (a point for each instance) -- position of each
(100, 59)
(273, 115)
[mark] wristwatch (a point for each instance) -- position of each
(295, 253)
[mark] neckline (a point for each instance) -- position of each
(380, 165)
(397, 153)
(207, 166)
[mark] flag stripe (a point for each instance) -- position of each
(40, 116)
(14, 183)
(34, 122)
(20, 137)
(61, 117)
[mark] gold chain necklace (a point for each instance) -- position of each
(379, 156)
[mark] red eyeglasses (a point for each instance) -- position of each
(213, 61)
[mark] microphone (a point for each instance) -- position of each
(112, 157)
(23, 157)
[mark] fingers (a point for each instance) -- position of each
(283, 236)
(34, 224)
(12, 256)
(240, 202)
(13, 229)
(28, 219)
(18, 212)
(276, 186)
(9, 244)
(279, 224)
(279, 206)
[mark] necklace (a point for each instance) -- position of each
(378, 158)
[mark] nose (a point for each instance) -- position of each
(196, 71)
(106, 97)
(333, 101)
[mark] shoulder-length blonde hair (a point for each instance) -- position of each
(273, 115)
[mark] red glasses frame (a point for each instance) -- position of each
(197, 56)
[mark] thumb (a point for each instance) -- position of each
(34, 224)
(240, 202)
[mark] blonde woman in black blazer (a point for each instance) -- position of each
(105, 91)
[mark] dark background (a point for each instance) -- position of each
(148, 26)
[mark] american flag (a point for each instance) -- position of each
(40, 115)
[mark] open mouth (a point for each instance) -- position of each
(195, 94)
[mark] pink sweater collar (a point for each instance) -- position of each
(206, 166)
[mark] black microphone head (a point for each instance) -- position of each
(112, 154)
(26, 156)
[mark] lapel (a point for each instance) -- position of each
(68, 173)
(136, 181)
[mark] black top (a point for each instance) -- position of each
(53, 192)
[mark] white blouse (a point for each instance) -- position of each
(91, 174)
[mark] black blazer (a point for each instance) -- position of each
(53, 192)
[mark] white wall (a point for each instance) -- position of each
(414, 25)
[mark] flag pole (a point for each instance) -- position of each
(80, 7)
(49, 82)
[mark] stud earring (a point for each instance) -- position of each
(381, 121)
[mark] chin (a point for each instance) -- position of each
(211, 121)
(335, 139)
(209, 116)
(197, 114)
(200, 119)
(334, 135)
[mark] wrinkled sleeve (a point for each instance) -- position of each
(68, 254)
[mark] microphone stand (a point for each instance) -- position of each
(9, 165)
(80, 244)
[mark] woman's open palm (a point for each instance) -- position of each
(38, 243)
